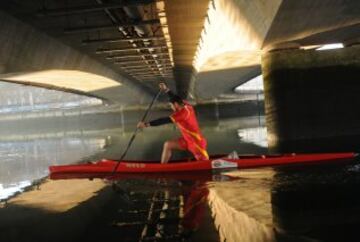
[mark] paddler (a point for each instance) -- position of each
(185, 119)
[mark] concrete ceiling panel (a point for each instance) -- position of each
(210, 85)
(297, 20)
(214, 45)
(234, 34)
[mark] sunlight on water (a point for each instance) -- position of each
(13, 188)
(254, 135)
(24, 161)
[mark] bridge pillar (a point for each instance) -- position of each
(312, 99)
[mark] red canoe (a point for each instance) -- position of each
(107, 166)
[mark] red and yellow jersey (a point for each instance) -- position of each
(186, 121)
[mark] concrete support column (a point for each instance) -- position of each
(312, 100)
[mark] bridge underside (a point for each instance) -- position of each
(203, 49)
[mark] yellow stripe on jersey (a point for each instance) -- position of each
(204, 152)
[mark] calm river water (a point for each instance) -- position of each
(317, 203)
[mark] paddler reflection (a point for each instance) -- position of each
(194, 207)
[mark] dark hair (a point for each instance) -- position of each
(176, 99)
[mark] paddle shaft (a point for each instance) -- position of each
(135, 132)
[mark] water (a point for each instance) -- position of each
(25, 161)
(317, 203)
(25, 155)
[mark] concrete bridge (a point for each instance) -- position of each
(121, 50)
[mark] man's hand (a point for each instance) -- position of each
(163, 87)
(142, 125)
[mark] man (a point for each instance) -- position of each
(185, 119)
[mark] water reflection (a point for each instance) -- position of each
(28, 148)
(160, 210)
(179, 204)
(314, 203)
(24, 161)
(242, 207)
(194, 207)
(8, 190)
(254, 135)
(321, 203)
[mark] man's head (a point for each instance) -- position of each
(176, 103)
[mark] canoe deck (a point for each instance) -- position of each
(243, 162)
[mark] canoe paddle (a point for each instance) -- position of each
(135, 132)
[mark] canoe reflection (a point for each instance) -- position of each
(170, 207)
